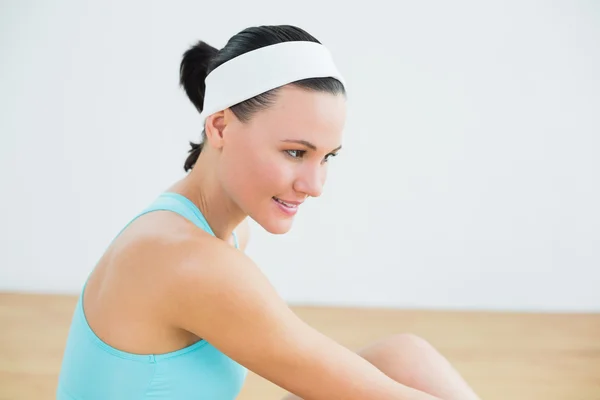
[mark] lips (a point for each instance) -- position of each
(289, 204)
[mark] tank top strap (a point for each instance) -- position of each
(174, 202)
(179, 204)
(235, 240)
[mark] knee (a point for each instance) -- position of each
(403, 356)
(400, 345)
(407, 340)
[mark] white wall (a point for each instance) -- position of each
(468, 178)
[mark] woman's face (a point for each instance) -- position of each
(272, 163)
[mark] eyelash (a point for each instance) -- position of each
(302, 152)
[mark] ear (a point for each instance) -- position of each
(214, 128)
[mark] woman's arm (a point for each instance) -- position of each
(222, 296)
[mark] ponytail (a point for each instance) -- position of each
(192, 73)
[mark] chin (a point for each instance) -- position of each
(277, 227)
(274, 224)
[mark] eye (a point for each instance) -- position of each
(296, 153)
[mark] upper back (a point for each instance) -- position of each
(144, 259)
(121, 323)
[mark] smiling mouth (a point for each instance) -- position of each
(286, 204)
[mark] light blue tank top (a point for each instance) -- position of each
(93, 370)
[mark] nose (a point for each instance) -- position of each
(311, 180)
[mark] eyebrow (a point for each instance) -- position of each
(309, 144)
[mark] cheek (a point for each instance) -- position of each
(256, 177)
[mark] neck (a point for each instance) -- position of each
(202, 187)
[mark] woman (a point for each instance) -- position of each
(174, 309)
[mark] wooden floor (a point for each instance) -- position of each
(503, 356)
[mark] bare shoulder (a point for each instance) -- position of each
(169, 255)
(214, 279)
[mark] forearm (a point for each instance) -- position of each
(349, 377)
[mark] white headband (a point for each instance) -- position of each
(261, 70)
